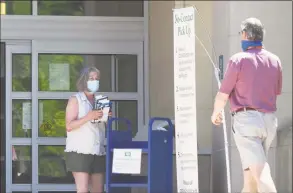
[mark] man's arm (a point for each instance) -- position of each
(227, 86)
(220, 102)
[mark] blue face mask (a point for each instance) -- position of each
(93, 85)
(245, 44)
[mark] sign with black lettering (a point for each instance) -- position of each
(185, 100)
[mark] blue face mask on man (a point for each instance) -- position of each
(245, 44)
(93, 85)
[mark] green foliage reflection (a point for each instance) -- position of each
(21, 72)
(52, 165)
(70, 8)
(75, 65)
(52, 118)
(17, 119)
(23, 7)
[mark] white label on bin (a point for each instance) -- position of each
(126, 161)
(185, 100)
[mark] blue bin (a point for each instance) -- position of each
(159, 148)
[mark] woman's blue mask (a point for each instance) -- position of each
(93, 85)
(245, 44)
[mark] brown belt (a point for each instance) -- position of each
(243, 109)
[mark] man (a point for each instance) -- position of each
(252, 81)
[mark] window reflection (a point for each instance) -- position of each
(60, 72)
(21, 72)
(52, 118)
(126, 73)
(21, 118)
(52, 168)
(91, 8)
(21, 165)
(12, 7)
(128, 110)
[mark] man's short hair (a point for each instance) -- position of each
(253, 28)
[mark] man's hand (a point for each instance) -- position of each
(220, 102)
(217, 119)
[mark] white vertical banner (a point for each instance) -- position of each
(185, 100)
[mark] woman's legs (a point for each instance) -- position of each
(97, 174)
(97, 183)
(81, 181)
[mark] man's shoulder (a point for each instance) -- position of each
(272, 55)
(247, 55)
(236, 58)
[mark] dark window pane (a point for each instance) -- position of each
(52, 118)
(128, 110)
(52, 168)
(60, 72)
(21, 72)
(21, 118)
(91, 8)
(12, 7)
(21, 164)
(126, 73)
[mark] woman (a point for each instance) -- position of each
(85, 151)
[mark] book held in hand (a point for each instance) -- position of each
(104, 104)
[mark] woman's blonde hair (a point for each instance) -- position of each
(81, 83)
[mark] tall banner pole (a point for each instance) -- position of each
(185, 100)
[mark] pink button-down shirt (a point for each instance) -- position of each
(253, 79)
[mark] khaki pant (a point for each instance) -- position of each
(254, 133)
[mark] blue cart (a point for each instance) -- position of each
(159, 147)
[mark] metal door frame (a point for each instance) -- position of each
(71, 47)
(22, 47)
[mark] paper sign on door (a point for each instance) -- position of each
(126, 161)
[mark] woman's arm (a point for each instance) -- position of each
(72, 122)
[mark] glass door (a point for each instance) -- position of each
(18, 117)
(56, 66)
(40, 77)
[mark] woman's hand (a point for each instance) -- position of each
(110, 114)
(95, 114)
